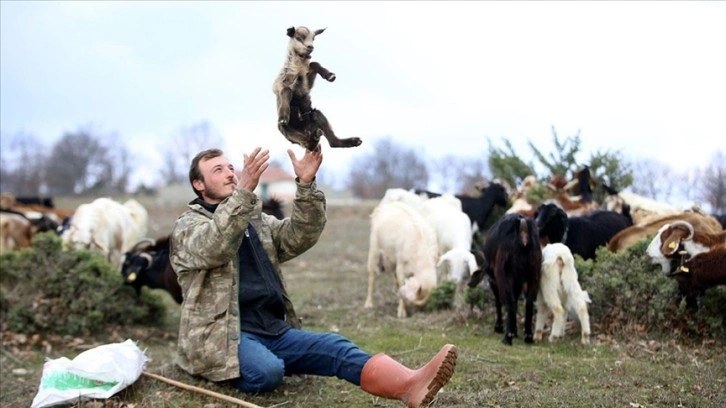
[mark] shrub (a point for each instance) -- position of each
(48, 290)
(442, 296)
(630, 295)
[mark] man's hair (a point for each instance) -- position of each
(194, 172)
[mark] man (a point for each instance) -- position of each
(237, 321)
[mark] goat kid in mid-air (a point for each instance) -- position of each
(297, 120)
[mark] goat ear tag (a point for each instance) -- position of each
(684, 269)
(131, 277)
(672, 245)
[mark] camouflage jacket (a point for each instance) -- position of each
(203, 253)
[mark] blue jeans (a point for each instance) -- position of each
(264, 360)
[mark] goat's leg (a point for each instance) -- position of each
(322, 71)
(499, 323)
(322, 123)
(283, 108)
(584, 318)
(540, 318)
(530, 297)
(511, 326)
(373, 270)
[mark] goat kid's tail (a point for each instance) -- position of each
(586, 297)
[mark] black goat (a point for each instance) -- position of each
(273, 206)
(584, 234)
(513, 263)
(147, 264)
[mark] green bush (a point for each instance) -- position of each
(442, 296)
(630, 294)
(47, 290)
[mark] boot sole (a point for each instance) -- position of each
(443, 375)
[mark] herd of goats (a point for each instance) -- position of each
(424, 238)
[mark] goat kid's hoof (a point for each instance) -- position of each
(331, 77)
(282, 122)
(507, 340)
(528, 339)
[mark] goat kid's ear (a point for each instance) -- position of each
(291, 32)
(320, 31)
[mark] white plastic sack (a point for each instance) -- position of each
(99, 372)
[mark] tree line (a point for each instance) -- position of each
(84, 162)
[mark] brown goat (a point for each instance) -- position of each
(693, 241)
(701, 272)
(629, 236)
(297, 120)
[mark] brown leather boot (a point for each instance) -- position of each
(385, 377)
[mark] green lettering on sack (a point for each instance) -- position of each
(69, 381)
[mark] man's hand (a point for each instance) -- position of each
(307, 167)
(254, 165)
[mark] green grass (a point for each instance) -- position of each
(328, 285)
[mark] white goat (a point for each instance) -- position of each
(402, 242)
(642, 209)
(559, 286)
(106, 226)
(454, 238)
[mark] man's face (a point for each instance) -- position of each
(219, 179)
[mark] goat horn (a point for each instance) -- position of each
(571, 184)
(148, 257)
(143, 241)
(685, 224)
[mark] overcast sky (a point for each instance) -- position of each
(645, 78)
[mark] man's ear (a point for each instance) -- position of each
(198, 185)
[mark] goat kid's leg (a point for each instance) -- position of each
(283, 108)
(584, 317)
(540, 318)
(322, 122)
(322, 71)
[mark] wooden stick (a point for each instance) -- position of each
(201, 390)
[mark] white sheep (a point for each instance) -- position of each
(559, 286)
(403, 243)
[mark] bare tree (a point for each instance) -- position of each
(23, 165)
(713, 187)
(653, 179)
(78, 164)
(388, 166)
(185, 144)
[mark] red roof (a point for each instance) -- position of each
(273, 174)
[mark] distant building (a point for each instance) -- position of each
(276, 182)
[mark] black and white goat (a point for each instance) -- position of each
(147, 264)
(297, 120)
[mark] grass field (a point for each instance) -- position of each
(328, 285)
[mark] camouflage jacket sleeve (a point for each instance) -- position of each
(299, 232)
